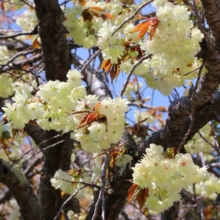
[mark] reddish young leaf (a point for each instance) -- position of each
(146, 193)
(2, 6)
(135, 80)
(36, 44)
(161, 109)
(79, 112)
(150, 24)
(95, 13)
(144, 29)
(114, 71)
(96, 8)
(113, 157)
(107, 16)
(87, 16)
(131, 191)
(82, 2)
(106, 64)
(117, 70)
(87, 119)
(91, 117)
(208, 212)
(154, 22)
(82, 121)
(138, 27)
(141, 197)
(97, 106)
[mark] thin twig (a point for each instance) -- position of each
(22, 53)
(185, 74)
(19, 34)
(21, 63)
(36, 148)
(131, 17)
(101, 196)
(193, 109)
(199, 19)
(70, 197)
(76, 182)
(90, 60)
(131, 72)
(200, 134)
(139, 105)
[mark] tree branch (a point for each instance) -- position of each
(53, 37)
(54, 159)
(212, 14)
(21, 190)
(57, 62)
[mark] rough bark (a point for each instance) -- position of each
(53, 37)
(52, 158)
(21, 190)
(180, 110)
(57, 62)
(212, 14)
(57, 150)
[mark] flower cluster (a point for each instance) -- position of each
(209, 188)
(198, 144)
(153, 116)
(76, 216)
(75, 178)
(175, 34)
(90, 25)
(62, 180)
(63, 105)
(28, 20)
(4, 54)
(70, 181)
(176, 29)
(50, 105)
(173, 47)
(77, 27)
(106, 126)
(165, 178)
(6, 87)
(133, 89)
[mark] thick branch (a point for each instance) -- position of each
(21, 190)
(53, 37)
(174, 129)
(57, 62)
(212, 14)
(14, 45)
(55, 157)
